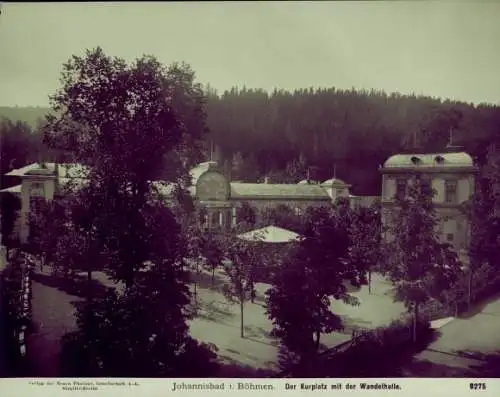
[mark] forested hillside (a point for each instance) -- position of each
(349, 133)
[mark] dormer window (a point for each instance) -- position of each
(439, 159)
(415, 160)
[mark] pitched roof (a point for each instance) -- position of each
(23, 170)
(270, 191)
(270, 234)
(12, 189)
(459, 159)
(334, 181)
(64, 170)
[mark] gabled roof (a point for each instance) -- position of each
(23, 170)
(65, 170)
(12, 189)
(267, 190)
(458, 159)
(270, 234)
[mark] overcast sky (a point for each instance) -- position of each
(444, 49)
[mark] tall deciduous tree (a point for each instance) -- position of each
(121, 121)
(238, 266)
(365, 235)
(419, 264)
(312, 274)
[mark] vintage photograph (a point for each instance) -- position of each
(250, 190)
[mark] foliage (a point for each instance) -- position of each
(298, 303)
(484, 215)
(331, 126)
(131, 335)
(131, 125)
(19, 146)
(99, 95)
(328, 126)
(10, 206)
(437, 126)
(365, 235)
(246, 214)
(238, 264)
(47, 222)
(11, 311)
(361, 357)
(419, 265)
(282, 216)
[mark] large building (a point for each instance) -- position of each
(219, 196)
(452, 176)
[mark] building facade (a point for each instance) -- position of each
(220, 197)
(451, 175)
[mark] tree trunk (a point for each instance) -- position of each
(369, 281)
(241, 315)
(316, 342)
(469, 290)
(415, 322)
(195, 291)
(213, 275)
(89, 284)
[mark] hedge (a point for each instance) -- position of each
(375, 353)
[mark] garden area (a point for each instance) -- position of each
(216, 320)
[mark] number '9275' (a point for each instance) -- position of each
(477, 386)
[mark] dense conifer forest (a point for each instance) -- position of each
(346, 133)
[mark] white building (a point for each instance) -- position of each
(452, 176)
(210, 187)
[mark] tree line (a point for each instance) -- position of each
(282, 134)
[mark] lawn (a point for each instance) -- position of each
(217, 320)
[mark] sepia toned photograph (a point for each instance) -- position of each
(269, 190)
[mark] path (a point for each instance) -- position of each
(53, 316)
(462, 343)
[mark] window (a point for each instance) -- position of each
(298, 211)
(37, 189)
(450, 237)
(400, 189)
(426, 185)
(234, 217)
(450, 194)
(36, 203)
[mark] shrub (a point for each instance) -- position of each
(375, 353)
(12, 299)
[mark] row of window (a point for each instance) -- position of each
(450, 190)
